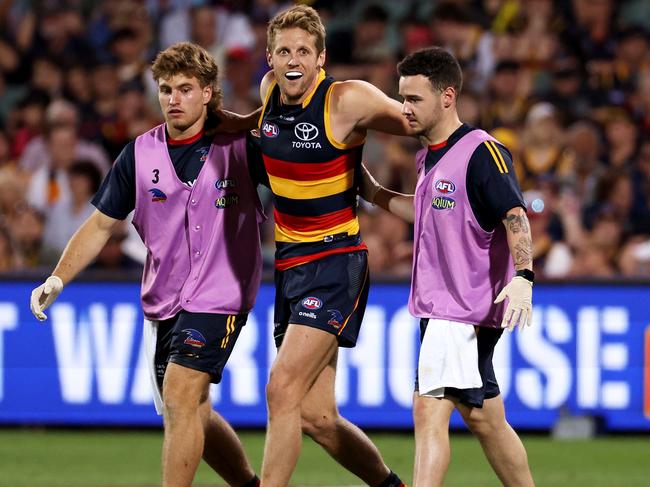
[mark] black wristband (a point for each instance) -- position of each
(526, 274)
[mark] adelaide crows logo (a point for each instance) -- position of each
(194, 338)
(157, 195)
(336, 318)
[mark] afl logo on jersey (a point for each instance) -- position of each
(312, 303)
(270, 130)
(445, 186)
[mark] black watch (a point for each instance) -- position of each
(526, 274)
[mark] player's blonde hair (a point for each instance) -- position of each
(190, 60)
(301, 16)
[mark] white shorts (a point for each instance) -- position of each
(448, 358)
(149, 336)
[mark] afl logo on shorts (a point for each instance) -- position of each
(270, 130)
(445, 186)
(312, 303)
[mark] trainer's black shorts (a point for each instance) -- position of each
(487, 339)
(200, 341)
(329, 294)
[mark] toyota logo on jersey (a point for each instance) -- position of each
(305, 131)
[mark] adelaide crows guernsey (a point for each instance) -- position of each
(312, 176)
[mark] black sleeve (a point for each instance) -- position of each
(116, 196)
(492, 186)
(255, 161)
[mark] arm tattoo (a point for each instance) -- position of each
(517, 223)
(523, 251)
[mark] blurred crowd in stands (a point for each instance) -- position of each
(565, 85)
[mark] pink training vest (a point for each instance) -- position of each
(458, 268)
(203, 242)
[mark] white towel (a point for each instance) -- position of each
(448, 358)
(149, 336)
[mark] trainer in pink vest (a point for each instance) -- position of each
(203, 242)
(458, 268)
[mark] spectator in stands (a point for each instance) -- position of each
(27, 121)
(49, 184)
(61, 140)
(506, 102)
(67, 214)
(10, 258)
(27, 227)
(621, 136)
(584, 148)
(542, 154)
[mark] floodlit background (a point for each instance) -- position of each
(565, 85)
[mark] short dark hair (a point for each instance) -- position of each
(437, 64)
(87, 169)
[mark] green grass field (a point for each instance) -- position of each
(73, 458)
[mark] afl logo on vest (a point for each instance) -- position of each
(443, 203)
(225, 183)
(270, 130)
(306, 132)
(444, 186)
(312, 303)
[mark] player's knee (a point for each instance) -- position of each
(182, 401)
(279, 392)
(318, 424)
(482, 425)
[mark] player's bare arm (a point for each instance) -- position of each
(519, 238)
(356, 106)
(84, 245)
(399, 204)
(231, 122)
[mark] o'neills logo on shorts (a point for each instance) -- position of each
(227, 201)
(443, 203)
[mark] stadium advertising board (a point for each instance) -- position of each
(586, 353)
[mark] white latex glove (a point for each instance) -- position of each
(44, 295)
(369, 185)
(520, 303)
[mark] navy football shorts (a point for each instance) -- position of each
(487, 339)
(200, 341)
(329, 294)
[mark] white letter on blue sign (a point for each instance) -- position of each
(8, 321)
